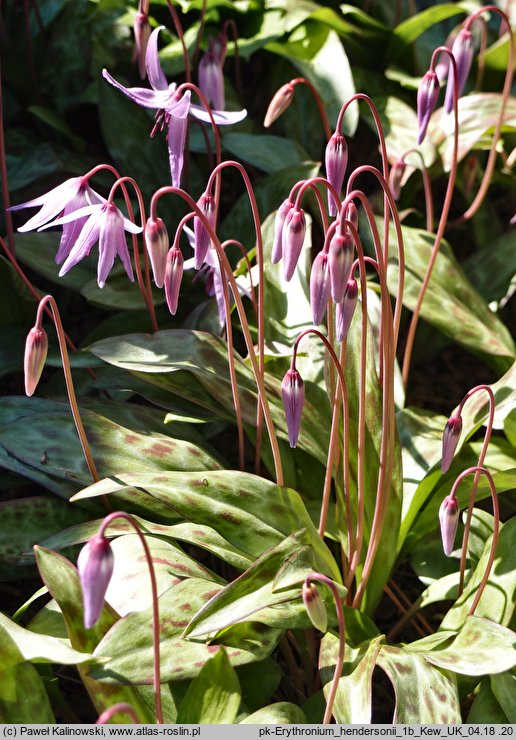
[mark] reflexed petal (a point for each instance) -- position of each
(211, 81)
(52, 203)
(87, 238)
(177, 128)
(141, 95)
(72, 229)
(95, 208)
(222, 118)
(111, 230)
(154, 71)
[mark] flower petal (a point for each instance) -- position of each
(141, 95)
(73, 216)
(111, 226)
(155, 73)
(177, 128)
(221, 117)
(52, 203)
(87, 238)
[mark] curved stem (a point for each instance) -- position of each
(479, 470)
(234, 30)
(303, 185)
(480, 463)
(155, 607)
(68, 379)
(488, 173)
(121, 708)
(442, 221)
(427, 185)
(342, 641)
(181, 37)
(195, 89)
(3, 174)
(318, 101)
(241, 312)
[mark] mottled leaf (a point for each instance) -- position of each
(213, 697)
(281, 713)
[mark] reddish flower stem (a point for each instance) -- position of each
(181, 37)
(121, 708)
(318, 101)
(427, 185)
(3, 174)
(155, 607)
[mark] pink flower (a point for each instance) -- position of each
(451, 436)
(95, 566)
(293, 396)
(36, 348)
(449, 521)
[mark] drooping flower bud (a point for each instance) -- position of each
(211, 78)
(345, 310)
(279, 103)
(156, 241)
(36, 348)
(336, 161)
(315, 607)
(340, 259)
(451, 436)
(142, 31)
(319, 287)
(95, 566)
(395, 177)
(449, 521)
(426, 101)
(173, 277)
(352, 214)
(202, 239)
(293, 395)
(293, 236)
(463, 52)
(281, 214)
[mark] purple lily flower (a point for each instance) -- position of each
(449, 514)
(211, 78)
(293, 396)
(95, 566)
(173, 108)
(105, 224)
(69, 197)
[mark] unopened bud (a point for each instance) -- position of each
(319, 287)
(352, 214)
(395, 177)
(342, 249)
(95, 566)
(336, 161)
(293, 396)
(173, 277)
(142, 31)
(156, 241)
(463, 52)
(281, 214)
(426, 101)
(211, 78)
(449, 521)
(293, 237)
(451, 436)
(279, 103)
(202, 239)
(345, 310)
(36, 349)
(315, 607)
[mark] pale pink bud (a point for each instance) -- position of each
(36, 348)
(156, 241)
(395, 177)
(315, 607)
(293, 395)
(202, 239)
(211, 79)
(281, 214)
(426, 101)
(142, 31)
(451, 436)
(95, 566)
(279, 103)
(173, 277)
(346, 309)
(336, 160)
(463, 52)
(341, 253)
(293, 236)
(319, 287)
(352, 214)
(449, 521)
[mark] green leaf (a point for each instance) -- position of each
(129, 651)
(213, 697)
(485, 708)
(400, 125)
(23, 698)
(281, 713)
(424, 695)
(41, 648)
(268, 153)
(503, 686)
(407, 32)
(62, 580)
(251, 513)
(353, 701)
(480, 647)
(258, 683)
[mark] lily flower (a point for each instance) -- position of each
(69, 197)
(105, 224)
(173, 107)
(211, 78)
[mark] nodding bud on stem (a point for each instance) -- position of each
(426, 101)
(341, 251)
(95, 566)
(352, 214)
(173, 277)
(279, 103)
(36, 348)
(449, 521)
(395, 177)
(345, 310)
(202, 239)
(281, 214)
(156, 241)
(451, 436)
(319, 287)
(142, 31)
(336, 161)
(462, 51)
(292, 236)
(293, 395)
(314, 606)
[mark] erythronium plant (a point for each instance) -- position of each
(271, 552)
